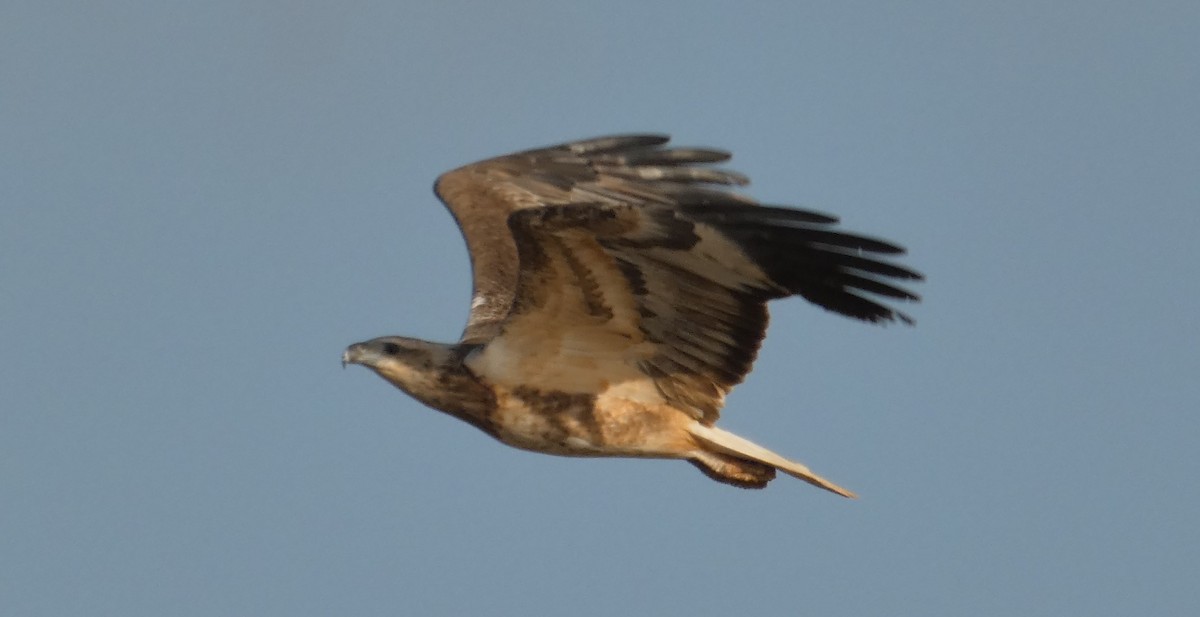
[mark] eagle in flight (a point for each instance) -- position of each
(620, 292)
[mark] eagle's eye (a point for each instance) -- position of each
(391, 349)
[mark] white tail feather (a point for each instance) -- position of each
(728, 443)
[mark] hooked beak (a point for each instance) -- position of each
(353, 354)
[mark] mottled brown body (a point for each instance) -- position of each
(574, 425)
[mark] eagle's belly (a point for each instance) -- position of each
(569, 424)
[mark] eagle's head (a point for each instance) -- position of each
(397, 355)
(410, 364)
(433, 373)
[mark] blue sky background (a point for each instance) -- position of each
(201, 204)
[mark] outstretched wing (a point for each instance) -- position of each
(625, 169)
(672, 292)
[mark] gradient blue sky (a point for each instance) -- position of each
(201, 204)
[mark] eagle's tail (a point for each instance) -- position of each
(732, 459)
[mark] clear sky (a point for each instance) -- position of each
(202, 203)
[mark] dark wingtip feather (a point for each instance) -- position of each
(850, 304)
(614, 143)
(804, 216)
(800, 227)
(803, 255)
(675, 156)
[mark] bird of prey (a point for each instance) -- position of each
(620, 292)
